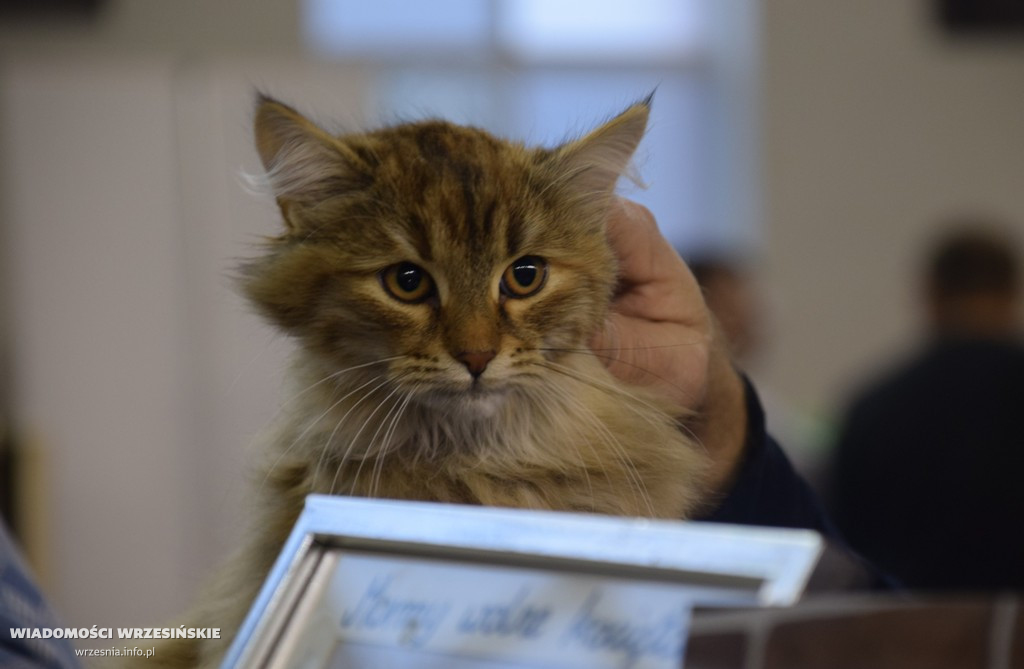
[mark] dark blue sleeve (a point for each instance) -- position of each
(767, 490)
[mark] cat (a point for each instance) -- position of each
(442, 285)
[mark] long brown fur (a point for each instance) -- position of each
(384, 401)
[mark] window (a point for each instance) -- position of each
(543, 71)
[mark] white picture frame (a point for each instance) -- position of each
(372, 583)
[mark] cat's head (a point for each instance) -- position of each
(451, 263)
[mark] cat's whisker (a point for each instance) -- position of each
(329, 377)
(624, 393)
(546, 407)
(384, 450)
(394, 423)
(325, 450)
(682, 425)
(602, 355)
(390, 420)
(620, 392)
(588, 349)
(355, 439)
(377, 453)
(310, 426)
(336, 375)
(617, 449)
(384, 421)
(609, 388)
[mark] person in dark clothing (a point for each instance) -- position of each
(929, 461)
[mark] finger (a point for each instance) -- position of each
(655, 282)
(670, 357)
(643, 253)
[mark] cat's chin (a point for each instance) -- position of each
(472, 403)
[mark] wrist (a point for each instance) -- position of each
(721, 423)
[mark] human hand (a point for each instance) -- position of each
(661, 335)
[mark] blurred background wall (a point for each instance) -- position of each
(877, 127)
(822, 140)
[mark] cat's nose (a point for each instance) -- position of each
(475, 361)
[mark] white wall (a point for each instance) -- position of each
(98, 329)
(139, 377)
(875, 127)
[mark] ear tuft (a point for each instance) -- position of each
(303, 163)
(594, 163)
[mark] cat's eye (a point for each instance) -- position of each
(524, 277)
(407, 282)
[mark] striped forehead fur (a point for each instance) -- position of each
(303, 161)
(456, 198)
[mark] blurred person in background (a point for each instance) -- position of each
(928, 476)
(729, 293)
(728, 283)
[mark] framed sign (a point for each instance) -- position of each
(364, 584)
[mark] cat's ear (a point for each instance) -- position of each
(591, 165)
(304, 164)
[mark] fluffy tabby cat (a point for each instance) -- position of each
(442, 285)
